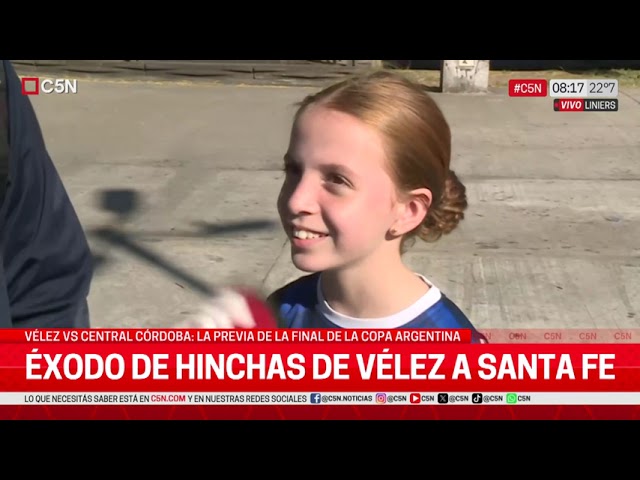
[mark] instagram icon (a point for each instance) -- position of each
(381, 398)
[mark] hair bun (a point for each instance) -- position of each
(446, 213)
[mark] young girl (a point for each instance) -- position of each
(367, 171)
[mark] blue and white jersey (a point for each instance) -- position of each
(301, 304)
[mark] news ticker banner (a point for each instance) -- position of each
(331, 360)
(106, 373)
(318, 398)
(316, 374)
(570, 95)
(557, 335)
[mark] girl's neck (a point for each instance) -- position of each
(372, 289)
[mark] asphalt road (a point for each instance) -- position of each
(176, 187)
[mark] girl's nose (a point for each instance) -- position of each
(303, 197)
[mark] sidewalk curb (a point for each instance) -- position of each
(298, 73)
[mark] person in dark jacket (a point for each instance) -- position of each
(47, 266)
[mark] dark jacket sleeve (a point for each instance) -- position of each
(47, 261)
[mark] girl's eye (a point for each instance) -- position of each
(337, 179)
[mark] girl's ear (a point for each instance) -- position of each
(412, 210)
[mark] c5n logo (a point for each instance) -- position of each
(36, 86)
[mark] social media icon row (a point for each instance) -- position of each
(477, 398)
(441, 398)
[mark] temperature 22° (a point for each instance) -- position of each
(602, 88)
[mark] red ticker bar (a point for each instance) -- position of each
(569, 335)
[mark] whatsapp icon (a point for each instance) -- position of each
(512, 398)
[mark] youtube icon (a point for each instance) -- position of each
(414, 398)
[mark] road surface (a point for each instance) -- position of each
(550, 238)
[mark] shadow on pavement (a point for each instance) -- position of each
(124, 204)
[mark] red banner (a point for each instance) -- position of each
(291, 361)
(328, 412)
(408, 374)
(567, 335)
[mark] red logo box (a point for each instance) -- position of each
(30, 86)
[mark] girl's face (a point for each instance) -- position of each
(337, 201)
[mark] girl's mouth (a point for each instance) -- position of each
(306, 238)
(306, 234)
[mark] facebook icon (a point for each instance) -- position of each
(315, 398)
